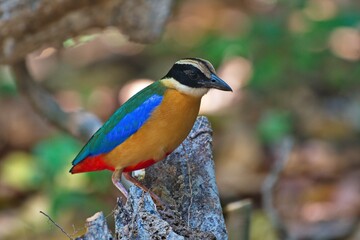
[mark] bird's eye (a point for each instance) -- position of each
(194, 75)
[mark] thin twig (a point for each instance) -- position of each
(269, 184)
(57, 225)
(112, 213)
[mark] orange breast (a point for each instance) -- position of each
(167, 127)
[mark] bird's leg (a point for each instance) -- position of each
(116, 179)
(162, 207)
(130, 178)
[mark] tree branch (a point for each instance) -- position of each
(26, 26)
(80, 124)
(269, 185)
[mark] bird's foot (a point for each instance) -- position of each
(157, 200)
(116, 179)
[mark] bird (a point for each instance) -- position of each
(151, 124)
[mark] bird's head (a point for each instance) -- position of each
(194, 76)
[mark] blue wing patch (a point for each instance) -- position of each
(105, 140)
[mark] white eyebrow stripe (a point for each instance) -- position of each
(190, 62)
(204, 68)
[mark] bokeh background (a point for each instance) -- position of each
(295, 70)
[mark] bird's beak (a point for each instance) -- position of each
(218, 83)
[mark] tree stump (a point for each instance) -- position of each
(185, 181)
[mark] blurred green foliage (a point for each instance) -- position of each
(53, 157)
(274, 126)
(75, 42)
(19, 169)
(7, 84)
(261, 227)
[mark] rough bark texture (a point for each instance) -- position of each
(27, 25)
(97, 228)
(186, 182)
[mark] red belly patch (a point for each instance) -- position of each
(97, 163)
(140, 165)
(90, 164)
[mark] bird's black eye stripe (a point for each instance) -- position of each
(187, 74)
(192, 74)
(192, 71)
